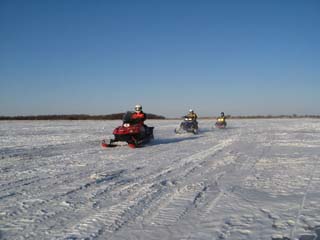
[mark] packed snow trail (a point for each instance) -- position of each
(256, 179)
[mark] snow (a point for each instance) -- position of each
(256, 179)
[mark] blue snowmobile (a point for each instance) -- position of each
(187, 125)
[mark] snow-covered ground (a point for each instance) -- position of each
(257, 179)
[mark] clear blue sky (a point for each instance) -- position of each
(101, 57)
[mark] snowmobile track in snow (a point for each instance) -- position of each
(218, 184)
(113, 218)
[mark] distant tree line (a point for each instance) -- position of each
(264, 116)
(115, 116)
(275, 116)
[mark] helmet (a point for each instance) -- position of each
(138, 108)
(222, 113)
(190, 110)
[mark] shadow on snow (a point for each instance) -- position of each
(172, 140)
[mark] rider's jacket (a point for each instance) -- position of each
(139, 117)
(194, 116)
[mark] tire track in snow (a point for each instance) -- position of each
(217, 195)
(171, 209)
(164, 212)
(195, 160)
(111, 219)
(293, 230)
(236, 174)
(40, 174)
(177, 206)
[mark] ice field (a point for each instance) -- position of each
(256, 179)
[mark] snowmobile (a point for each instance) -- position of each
(131, 133)
(188, 125)
(221, 123)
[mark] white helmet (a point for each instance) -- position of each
(190, 110)
(138, 108)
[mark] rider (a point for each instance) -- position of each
(192, 115)
(222, 118)
(138, 116)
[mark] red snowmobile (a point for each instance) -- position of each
(133, 133)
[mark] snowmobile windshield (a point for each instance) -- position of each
(127, 117)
